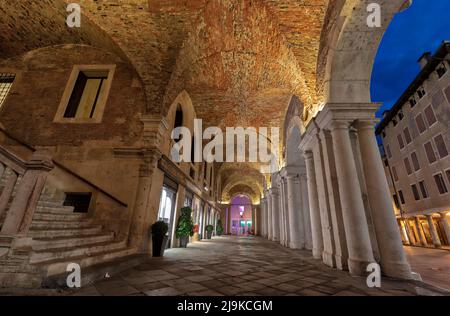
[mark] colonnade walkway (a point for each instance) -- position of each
(243, 266)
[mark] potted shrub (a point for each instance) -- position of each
(159, 238)
(219, 228)
(185, 227)
(209, 230)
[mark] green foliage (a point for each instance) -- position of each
(185, 227)
(160, 228)
(219, 227)
(209, 228)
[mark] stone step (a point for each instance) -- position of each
(42, 216)
(20, 280)
(50, 203)
(55, 210)
(58, 267)
(77, 241)
(67, 253)
(55, 233)
(39, 224)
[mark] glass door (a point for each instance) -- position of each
(167, 209)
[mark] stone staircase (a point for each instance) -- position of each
(57, 237)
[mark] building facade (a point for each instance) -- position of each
(416, 143)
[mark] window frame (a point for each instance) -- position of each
(437, 147)
(415, 192)
(426, 118)
(443, 181)
(101, 104)
(424, 188)
(417, 125)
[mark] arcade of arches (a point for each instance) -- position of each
(302, 66)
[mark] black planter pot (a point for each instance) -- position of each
(159, 245)
(184, 240)
(208, 235)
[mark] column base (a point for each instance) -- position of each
(297, 245)
(341, 263)
(328, 259)
(317, 253)
(398, 270)
(275, 239)
(358, 267)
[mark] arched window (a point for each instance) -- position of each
(178, 117)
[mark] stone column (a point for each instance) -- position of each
(304, 206)
(7, 190)
(434, 234)
(316, 226)
(444, 221)
(286, 217)
(423, 240)
(392, 255)
(275, 214)
(19, 216)
(355, 221)
(281, 211)
(263, 218)
(269, 216)
(408, 232)
(296, 239)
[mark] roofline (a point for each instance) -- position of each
(434, 61)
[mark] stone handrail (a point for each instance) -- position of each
(23, 204)
(65, 169)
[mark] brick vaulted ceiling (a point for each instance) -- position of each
(239, 60)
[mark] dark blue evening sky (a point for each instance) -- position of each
(421, 28)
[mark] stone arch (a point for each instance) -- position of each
(349, 49)
(183, 101)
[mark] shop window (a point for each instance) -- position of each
(85, 96)
(6, 82)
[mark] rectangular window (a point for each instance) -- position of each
(400, 115)
(447, 172)
(402, 198)
(394, 173)
(420, 123)
(388, 151)
(440, 183)
(429, 114)
(441, 147)
(6, 81)
(415, 192)
(430, 152)
(423, 189)
(412, 102)
(421, 92)
(407, 166)
(407, 136)
(86, 94)
(400, 141)
(397, 204)
(441, 70)
(415, 161)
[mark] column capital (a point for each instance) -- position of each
(366, 124)
(308, 154)
(339, 125)
(274, 191)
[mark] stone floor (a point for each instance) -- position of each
(243, 267)
(432, 264)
